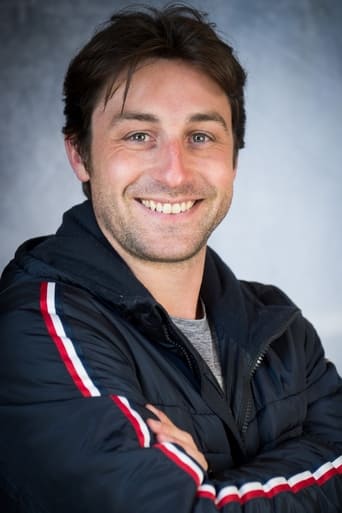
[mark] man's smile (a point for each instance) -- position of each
(168, 208)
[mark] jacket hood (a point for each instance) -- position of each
(80, 255)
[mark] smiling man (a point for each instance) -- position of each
(138, 374)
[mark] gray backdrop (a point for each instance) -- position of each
(285, 223)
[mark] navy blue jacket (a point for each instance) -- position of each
(84, 347)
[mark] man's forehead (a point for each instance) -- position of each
(118, 92)
(128, 77)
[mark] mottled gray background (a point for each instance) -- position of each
(285, 223)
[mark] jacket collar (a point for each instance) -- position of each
(250, 314)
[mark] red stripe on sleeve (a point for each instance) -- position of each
(127, 412)
(187, 468)
(58, 341)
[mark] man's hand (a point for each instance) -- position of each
(166, 431)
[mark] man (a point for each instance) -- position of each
(137, 373)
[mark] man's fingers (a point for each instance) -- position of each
(170, 432)
(165, 426)
(155, 425)
(166, 431)
(158, 413)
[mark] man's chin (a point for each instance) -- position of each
(169, 255)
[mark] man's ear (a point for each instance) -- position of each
(76, 160)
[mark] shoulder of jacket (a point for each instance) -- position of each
(265, 294)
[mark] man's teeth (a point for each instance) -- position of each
(168, 208)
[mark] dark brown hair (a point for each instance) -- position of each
(130, 37)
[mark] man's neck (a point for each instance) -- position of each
(174, 285)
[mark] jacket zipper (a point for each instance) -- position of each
(257, 362)
(179, 346)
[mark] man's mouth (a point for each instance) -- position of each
(168, 208)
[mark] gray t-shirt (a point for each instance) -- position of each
(199, 333)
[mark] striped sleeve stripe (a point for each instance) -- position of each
(182, 460)
(143, 434)
(206, 491)
(325, 472)
(135, 419)
(279, 484)
(64, 345)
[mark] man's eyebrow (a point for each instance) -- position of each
(151, 118)
(208, 116)
(136, 116)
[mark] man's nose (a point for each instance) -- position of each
(172, 167)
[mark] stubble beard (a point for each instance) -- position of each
(122, 235)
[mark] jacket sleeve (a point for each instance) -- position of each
(71, 443)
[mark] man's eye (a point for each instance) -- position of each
(138, 137)
(200, 137)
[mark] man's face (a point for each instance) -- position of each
(162, 170)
